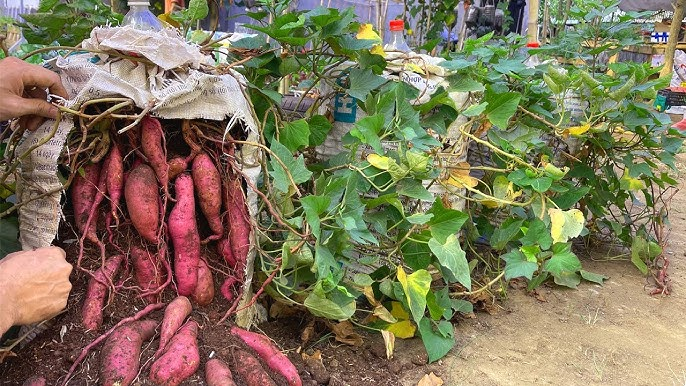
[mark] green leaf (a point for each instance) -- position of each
(517, 265)
(198, 9)
(295, 134)
(362, 82)
(501, 107)
(439, 341)
(413, 189)
(445, 222)
(415, 286)
(475, 110)
(324, 262)
(563, 265)
(505, 233)
(537, 234)
(541, 184)
(466, 84)
(419, 218)
(569, 198)
(416, 255)
(367, 130)
(296, 167)
(319, 129)
(451, 256)
(462, 306)
(593, 277)
(565, 224)
(362, 279)
(9, 236)
(313, 207)
(643, 251)
(337, 304)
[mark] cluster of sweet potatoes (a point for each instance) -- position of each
(176, 202)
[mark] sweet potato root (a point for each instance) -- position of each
(274, 358)
(177, 165)
(217, 373)
(83, 191)
(204, 290)
(183, 231)
(152, 144)
(147, 271)
(174, 315)
(141, 193)
(115, 182)
(208, 188)
(120, 355)
(97, 292)
(250, 369)
(180, 360)
(238, 220)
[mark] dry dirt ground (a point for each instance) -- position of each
(615, 334)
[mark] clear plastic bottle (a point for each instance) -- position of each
(397, 42)
(140, 17)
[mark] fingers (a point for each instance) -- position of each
(37, 76)
(24, 106)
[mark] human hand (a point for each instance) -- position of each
(22, 92)
(34, 285)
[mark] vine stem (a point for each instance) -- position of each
(480, 290)
(539, 119)
(497, 150)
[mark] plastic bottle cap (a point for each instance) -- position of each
(533, 44)
(397, 25)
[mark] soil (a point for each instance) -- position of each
(615, 334)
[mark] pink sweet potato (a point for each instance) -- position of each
(97, 292)
(152, 144)
(181, 358)
(183, 231)
(217, 373)
(238, 219)
(84, 190)
(141, 193)
(227, 288)
(204, 290)
(39, 381)
(274, 358)
(208, 187)
(147, 271)
(224, 249)
(115, 182)
(251, 370)
(120, 355)
(176, 312)
(177, 165)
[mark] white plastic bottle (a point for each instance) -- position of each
(397, 42)
(140, 17)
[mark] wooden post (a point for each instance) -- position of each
(532, 27)
(673, 38)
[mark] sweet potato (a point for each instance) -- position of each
(83, 192)
(204, 290)
(147, 271)
(224, 249)
(176, 312)
(120, 355)
(238, 220)
(180, 360)
(40, 381)
(141, 194)
(177, 165)
(274, 358)
(115, 182)
(183, 231)
(227, 288)
(250, 369)
(208, 187)
(97, 292)
(152, 145)
(217, 373)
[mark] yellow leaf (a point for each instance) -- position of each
(565, 225)
(378, 50)
(414, 68)
(389, 340)
(165, 18)
(369, 293)
(629, 183)
(502, 189)
(404, 328)
(578, 130)
(366, 32)
(378, 161)
(382, 313)
(459, 176)
(430, 379)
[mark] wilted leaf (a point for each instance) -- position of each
(345, 333)
(308, 333)
(578, 130)
(459, 176)
(389, 342)
(430, 379)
